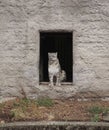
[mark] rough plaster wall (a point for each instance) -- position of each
(20, 22)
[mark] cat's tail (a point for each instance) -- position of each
(63, 75)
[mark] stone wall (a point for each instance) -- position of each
(55, 126)
(20, 24)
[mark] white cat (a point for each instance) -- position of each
(54, 70)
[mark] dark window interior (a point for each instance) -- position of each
(56, 42)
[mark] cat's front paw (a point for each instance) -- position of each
(51, 85)
(58, 84)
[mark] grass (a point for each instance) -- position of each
(26, 108)
(22, 102)
(44, 109)
(46, 102)
(97, 112)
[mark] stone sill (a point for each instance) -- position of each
(63, 83)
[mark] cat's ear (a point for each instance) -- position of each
(56, 54)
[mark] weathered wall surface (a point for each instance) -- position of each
(20, 22)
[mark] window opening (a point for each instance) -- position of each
(60, 42)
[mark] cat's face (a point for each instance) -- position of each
(52, 56)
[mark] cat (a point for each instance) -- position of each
(54, 70)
